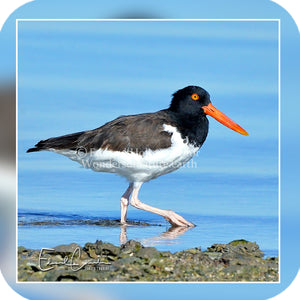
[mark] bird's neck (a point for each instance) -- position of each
(193, 127)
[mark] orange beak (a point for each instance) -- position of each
(219, 116)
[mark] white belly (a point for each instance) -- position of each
(138, 167)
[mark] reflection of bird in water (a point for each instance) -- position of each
(168, 237)
(145, 146)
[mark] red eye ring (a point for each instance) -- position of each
(195, 96)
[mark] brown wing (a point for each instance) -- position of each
(127, 133)
(130, 133)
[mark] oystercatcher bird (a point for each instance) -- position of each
(144, 146)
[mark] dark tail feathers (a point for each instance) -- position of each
(41, 145)
(33, 150)
(68, 141)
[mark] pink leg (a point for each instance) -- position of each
(123, 234)
(125, 202)
(173, 218)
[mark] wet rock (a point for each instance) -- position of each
(66, 249)
(100, 249)
(131, 246)
(241, 247)
(22, 249)
(148, 253)
(127, 261)
(218, 248)
(99, 222)
(246, 248)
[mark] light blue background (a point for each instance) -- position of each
(290, 209)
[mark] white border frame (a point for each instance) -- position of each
(279, 150)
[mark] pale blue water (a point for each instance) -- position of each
(78, 75)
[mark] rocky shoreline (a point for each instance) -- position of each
(238, 260)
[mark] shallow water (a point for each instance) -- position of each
(222, 209)
(209, 230)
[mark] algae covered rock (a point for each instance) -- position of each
(242, 247)
(99, 248)
(239, 260)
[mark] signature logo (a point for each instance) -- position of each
(46, 262)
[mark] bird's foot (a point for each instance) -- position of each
(177, 220)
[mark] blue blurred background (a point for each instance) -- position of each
(234, 83)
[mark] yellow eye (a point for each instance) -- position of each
(195, 96)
